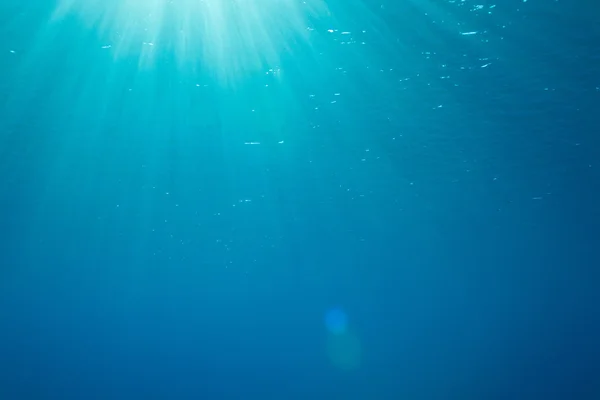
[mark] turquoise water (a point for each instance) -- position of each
(286, 199)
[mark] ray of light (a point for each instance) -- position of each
(231, 37)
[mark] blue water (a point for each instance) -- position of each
(281, 199)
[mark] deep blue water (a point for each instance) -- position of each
(299, 200)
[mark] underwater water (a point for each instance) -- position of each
(285, 199)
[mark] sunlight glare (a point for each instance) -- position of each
(230, 37)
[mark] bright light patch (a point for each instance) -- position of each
(344, 351)
(229, 37)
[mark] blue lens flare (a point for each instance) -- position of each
(336, 321)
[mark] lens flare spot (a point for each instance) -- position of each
(336, 321)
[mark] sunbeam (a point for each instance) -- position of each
(229, 37)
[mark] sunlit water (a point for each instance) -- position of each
(284, 199)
